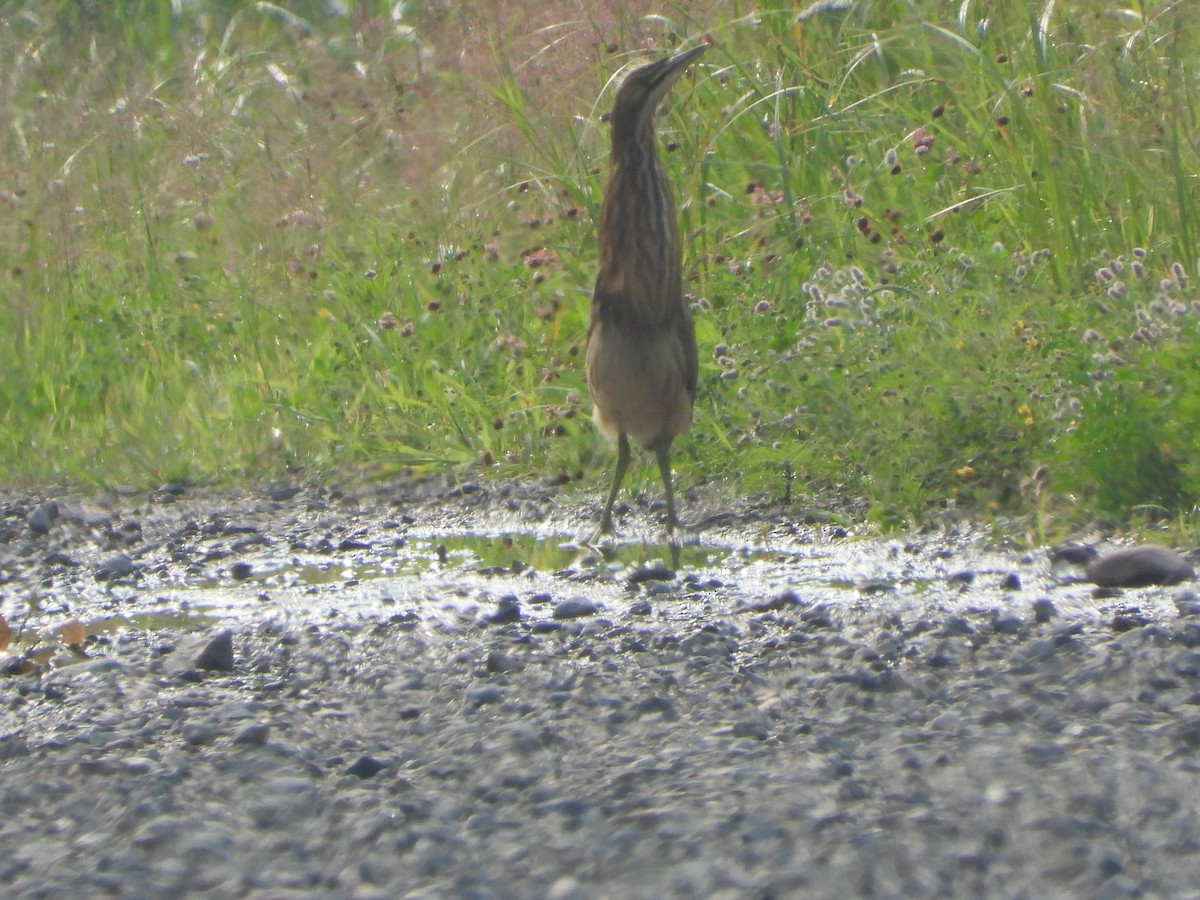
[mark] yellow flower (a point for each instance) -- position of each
(965, 471)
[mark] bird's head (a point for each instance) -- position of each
(644, 89)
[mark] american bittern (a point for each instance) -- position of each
(641, 343)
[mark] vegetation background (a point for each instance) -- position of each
(940, 252)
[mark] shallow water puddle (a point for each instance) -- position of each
(466, 575)
(462, 579)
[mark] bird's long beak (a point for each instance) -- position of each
(672, 68)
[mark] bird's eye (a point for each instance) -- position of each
(604, 117)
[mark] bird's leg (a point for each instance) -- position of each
(663, 452)
(618, 474)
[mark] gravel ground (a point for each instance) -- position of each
(685, 742)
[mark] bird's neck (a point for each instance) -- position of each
(633, 143)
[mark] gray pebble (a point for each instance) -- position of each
(750, 728)
(1007, 625)
(138, 765)
(818, 616)
(956, 626)
(498, 661)
(281, 492)
(366, 767)
(657, 703)
(482, 696)
(254, 735)
(575, 607)
(217, 656)
(119, 566)
(508, 610)
(650, 573)
(1128, 619)
(1139, 567)
(42, 518)
(1074, 554)
(1188, 604)
(782, 600)
(199, 733)
(1044, 610)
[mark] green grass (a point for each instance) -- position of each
(941, 253)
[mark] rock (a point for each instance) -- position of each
(241, 570)
(1011, 582)
(782, 600)
(656, 703)
(1075, 554)
(1007, 625)
(1139, 567)
(1129, 619)
(217, 656)
(254, 735)
(754, 729)
(200, 733)
(508, 610)
(818, 616)
(1188, 604)
(650, 573)
(956, 626)
(119, 566)
(575, 607)
(366, 767)
(481, 696)
(498, 662)
(1044, 610)
(43, 517)
(281, 492)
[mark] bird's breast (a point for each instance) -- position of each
(639, 381)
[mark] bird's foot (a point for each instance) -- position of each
(603, 536)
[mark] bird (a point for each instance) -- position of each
(641, 356)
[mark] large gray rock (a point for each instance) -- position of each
(1140, 567)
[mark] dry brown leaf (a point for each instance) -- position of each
(72, 633)
(5, 634)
